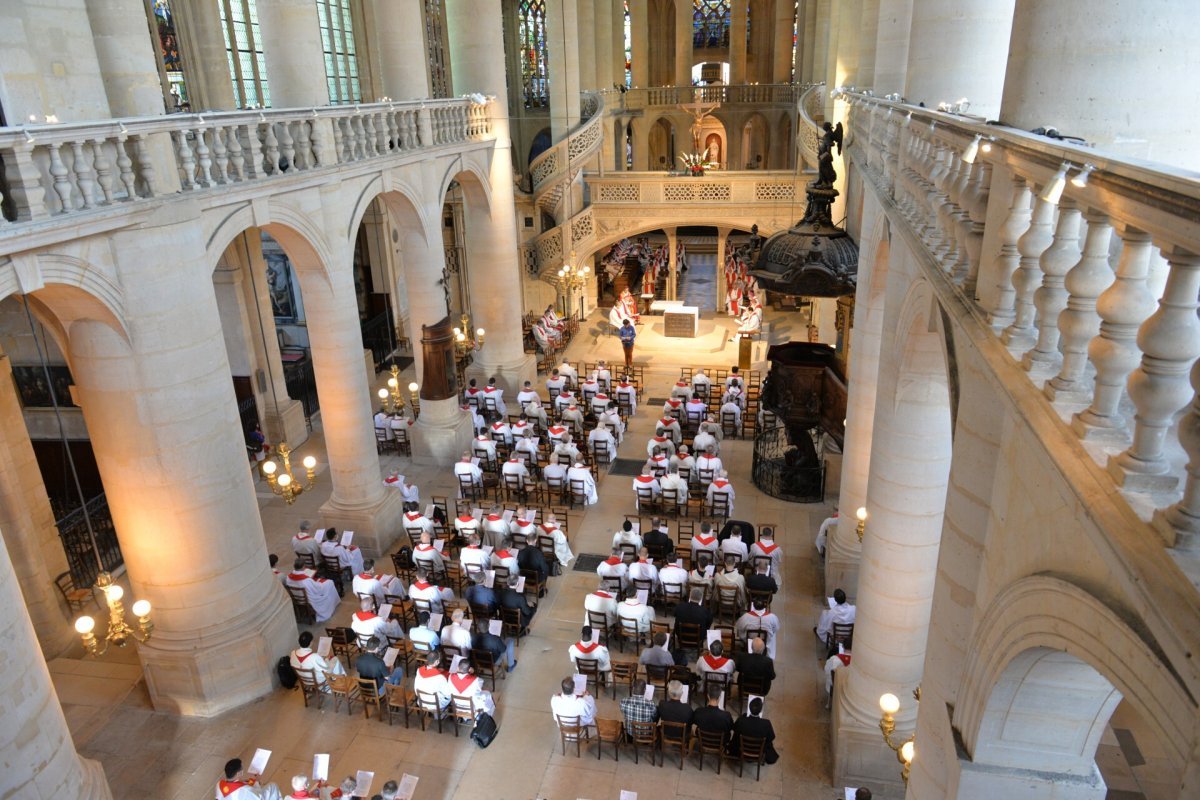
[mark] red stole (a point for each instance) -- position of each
(227, 788)
(586, 647)
(706, 541)
(297, 576)
(421, 585)
(429, 672)
(303, 658)
(645, 478)
(715, 662)
(613, 560)
(605, 595)
(720, 484)
(767, 548)
(844, 658)
(413, 517)
(461, 682)
(390, 479)
(502, 554)
(466, 518)
(363, 616)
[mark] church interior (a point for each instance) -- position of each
(291, 288)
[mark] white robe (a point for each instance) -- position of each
(322, 594)
(347, 556)
(562, 549)
(724, 488)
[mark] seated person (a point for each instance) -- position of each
(765, 546)
(645, 481)
(465, 683)
(581, 473)
(586, 647)
(304, 657)
(715, 661)
(422, 589)
(304, 543)
(712, 718)
(682, 388)
(752, 724)
(657, 654)
(729, 407)
(683, 460)
(673, 709)
(614, 567)
(694, 612)
(427, 557)
(660, 442)
(673, 573)
(705, 541)
(601, 438)
(644, 569)
(350, 558)
(457, 633)
(484, 448)
(568, 705)
(721, 487)
(758, 618)
(636, 708)
(669, 427)
(422, 634)
(479, 595)
(527, 394)
(634, 609)
(729, 577)
(572, 417)
(601, 602)
(701, 383)
(627, 535)
(566, 451)
(370, 664)
(734, 546)
(321, 592)
(840, 612)
(756, 665)
(236, 786)
(511, 598)
(430, 678)
(656, 540)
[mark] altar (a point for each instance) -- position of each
(680, 321)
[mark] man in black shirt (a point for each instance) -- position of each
(531, 557)
(658, 543)
(760, 581)
(501, 649)
(712, 718)
(737, 526)
(510, 598)
(370, 665)
(752, 724)
(756, 665)
(672, 709)
(692, 612)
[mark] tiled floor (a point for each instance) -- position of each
(147, 754)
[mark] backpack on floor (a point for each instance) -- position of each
(485, 730)
(287, 675)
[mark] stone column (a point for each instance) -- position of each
(585, 38)
(39, 754)
(737, 43)
(891, 47)
(957, 49)
(722, 289)
(602, 35)
(28, 523)
(202, 48)
(617, 9)
(291, 42)
(1096, 71)
(785, 18)
(906, 498)
(683, 43)
(403, 62)
(477, 53)
(821, 42)
(160, 409)
(127, 56)
(868, 37)
(639, 31)
(562, 54)
(357, 500)
(672, 263)
(808, 35)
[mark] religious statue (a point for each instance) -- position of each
(698, 111)
(826, 175)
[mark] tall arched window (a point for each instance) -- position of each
(341, 59)
(710, 23)
(243, 46)
(628, 48)
(435, 45)
(531, 37)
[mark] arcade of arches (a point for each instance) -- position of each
(228, 224)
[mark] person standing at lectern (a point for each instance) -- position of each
(627, 334)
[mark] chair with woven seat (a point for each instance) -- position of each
(73, 596)
(754, 750)
(343, 687)
(609, 731)
(622, 673)
(673, 736)
(571, 729)
(397, 699)
(368, 692)
(708, 743)
(312, 685)
(672, 594)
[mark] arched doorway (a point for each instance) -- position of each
(662, 144)
(756, 143)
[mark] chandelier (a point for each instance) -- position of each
(119, 631)
(392, 394)
(284, 483)
(573, 278)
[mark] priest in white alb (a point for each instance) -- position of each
(321, 592)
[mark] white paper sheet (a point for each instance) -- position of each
(319, 535)
(408, 785)
(683, 698)
(627, 795)
(710, 637)
(454, 664)
(752, 697)
(389, 657)
(489, 578)
(429, 511)
(435, 621)
(439, 544)
(258, 764)
(832, 602)
(324, 646)
(347, 538)
(477, 513)
(385, 610)
(519, 586)
(580, 684)
(363, 781)
(649, 693)
(643, 597)
(320, 770)
(495, 626)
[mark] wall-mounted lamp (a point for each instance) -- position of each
(972, 150)
(861, 514)
(1081, 180)
(889, 704)
(1054, 189)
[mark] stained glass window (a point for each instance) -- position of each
(710, 23)
(435, 43)
(168, 45)
(243, 46)
(341, 61)
(531, 37)
(628, 48)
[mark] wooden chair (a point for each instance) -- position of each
(343, 642)
(646, 500)
(673, 594)
(397, 699)
(748, 686)
(570, 729)
(463, 711)
(842, 634)
(344, 687)
(511, 618)
(727, 603)
(535, 584)
(307, 560)
(599, 622)
(77, 598)
(485, 666)
(729, 424)
(368, 692)
(657, 627)
(429, 705)
(689, 636)
(591, 668)
(642, 734)
(630, 630)
(624, 673)
(760, 597)
(673, 736)
(710, 743)
(718, 508)
(331, 568)
(305, 613)
(609, 731)
(312, 685)
(753, 749)
(469, 490)
(382, 442)
(723, 680)
(658, 677)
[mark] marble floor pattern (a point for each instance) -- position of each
(148, 754)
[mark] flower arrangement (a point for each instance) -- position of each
(695, 163)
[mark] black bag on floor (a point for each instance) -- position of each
(287, 675)
(485, 730)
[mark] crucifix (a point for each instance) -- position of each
(699, 112)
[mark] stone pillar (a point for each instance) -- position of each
(957, 49)
(160, 409)
(1096, 71)
(563, 56)
(672, 263)
(39, 754)
(127, 56)
(891, 47)
(291, 43)
(737, 42)
(403, 62)
(785, 18)
(202, 48)
(585, 38)
(357, 500)
(602, 44)
(28, 523)
(617, 9)
(639, 31)
(906, 498)
(868, 37)
(477, 52)
(683, 43)
(808, 35)
(722, 289)
(821, 43)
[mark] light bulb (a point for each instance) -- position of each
(141, 608)
(383, 393)
(460, 337)
(1054, 189)
(479, 332)
(861, 513)
(987, 146)
(285, 480)
(412, 387)
(309, 462)
(84, 625)
(907, 751)
(114, 593)
(1081, 180)
(269, 467)
(889, 703)
(458, 331)
(393, 383)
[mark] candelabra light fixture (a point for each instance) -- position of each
(889, 704)
(119, 631)
(414, 397)
(861, 515)
(284, 483)
(465, 346)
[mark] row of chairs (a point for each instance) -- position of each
(392, 441)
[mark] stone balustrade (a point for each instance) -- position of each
(550, 169)
(55, 171)
(808, 132)
(1090, 278)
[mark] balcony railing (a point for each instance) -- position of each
(56, 170)
(1094, 333)
(549, 169)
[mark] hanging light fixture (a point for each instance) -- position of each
(119, 632)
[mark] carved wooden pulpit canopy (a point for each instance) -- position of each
(437, 351)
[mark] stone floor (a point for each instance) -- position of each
(147, 754)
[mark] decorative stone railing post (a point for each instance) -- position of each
(976, 222)
(1159, 388)
(1079, 323)
(425, 127)
(1122, 308)
(1027, 278)
(1002, 310)
(1180, 524)
(1051, 297)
